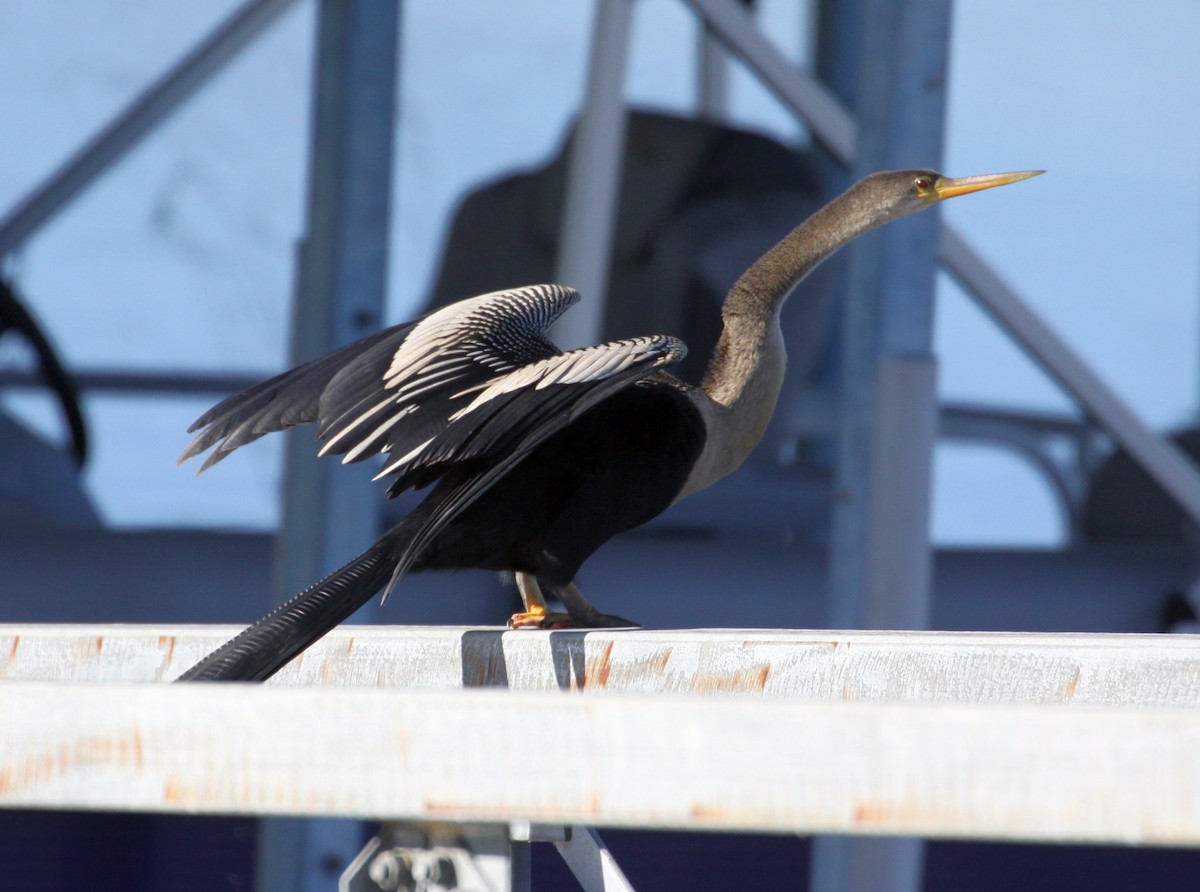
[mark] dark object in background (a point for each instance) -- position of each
(1125, 504)
(16, 318)
(39, 481)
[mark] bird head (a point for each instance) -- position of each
(896, 193)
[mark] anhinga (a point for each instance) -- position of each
(536, 457)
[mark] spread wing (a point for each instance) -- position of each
(475, 379)
(288, 399)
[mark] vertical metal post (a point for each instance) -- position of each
(713, 71)
(880, 548)
(331, 512)
(712, 87)
(594, 177)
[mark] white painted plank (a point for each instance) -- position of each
(1000, 772)
(938, 667)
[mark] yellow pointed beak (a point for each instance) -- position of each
(948, 187)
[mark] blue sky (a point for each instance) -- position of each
(181, 257)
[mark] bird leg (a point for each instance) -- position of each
(536, 615)
(584, 614)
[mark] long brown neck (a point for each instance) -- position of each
(751, 309)
(738, 395)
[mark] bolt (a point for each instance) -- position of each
(425, 870)
(390, 870)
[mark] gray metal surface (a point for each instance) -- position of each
(894, 567)
(594, 177)
(591, 862)
(830, 123)
(712, 77)
(330, 512)
(881, 557)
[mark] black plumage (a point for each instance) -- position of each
(535, 457)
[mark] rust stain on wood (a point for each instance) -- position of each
(91, 648)
(502, 811)
(871, 813)
(602, 670)
(703, 811)
(708, 814)
(176, 792)
(123, 750)
(751, 679)
(877, 815)
(1072, 685)
(404, 745)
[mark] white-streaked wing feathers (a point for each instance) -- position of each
(287, 399)
(514, 405)
(462, 346)
(470, 380)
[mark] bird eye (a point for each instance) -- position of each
(922, 184)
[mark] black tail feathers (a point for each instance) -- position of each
(271, 643)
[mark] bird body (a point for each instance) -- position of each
(617, 466)
(535, 457)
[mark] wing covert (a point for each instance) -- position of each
(360, 393)
(515, 411)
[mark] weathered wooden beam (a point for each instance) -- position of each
(1041, 772)
(935, 667)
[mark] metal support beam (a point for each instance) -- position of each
(139, 382)
(712, 87)
(881, 558)
(831, 124)
(591, 862)
(331, 511)
(713, 71)
(888, 406)
(146, 112)
(594, 177)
